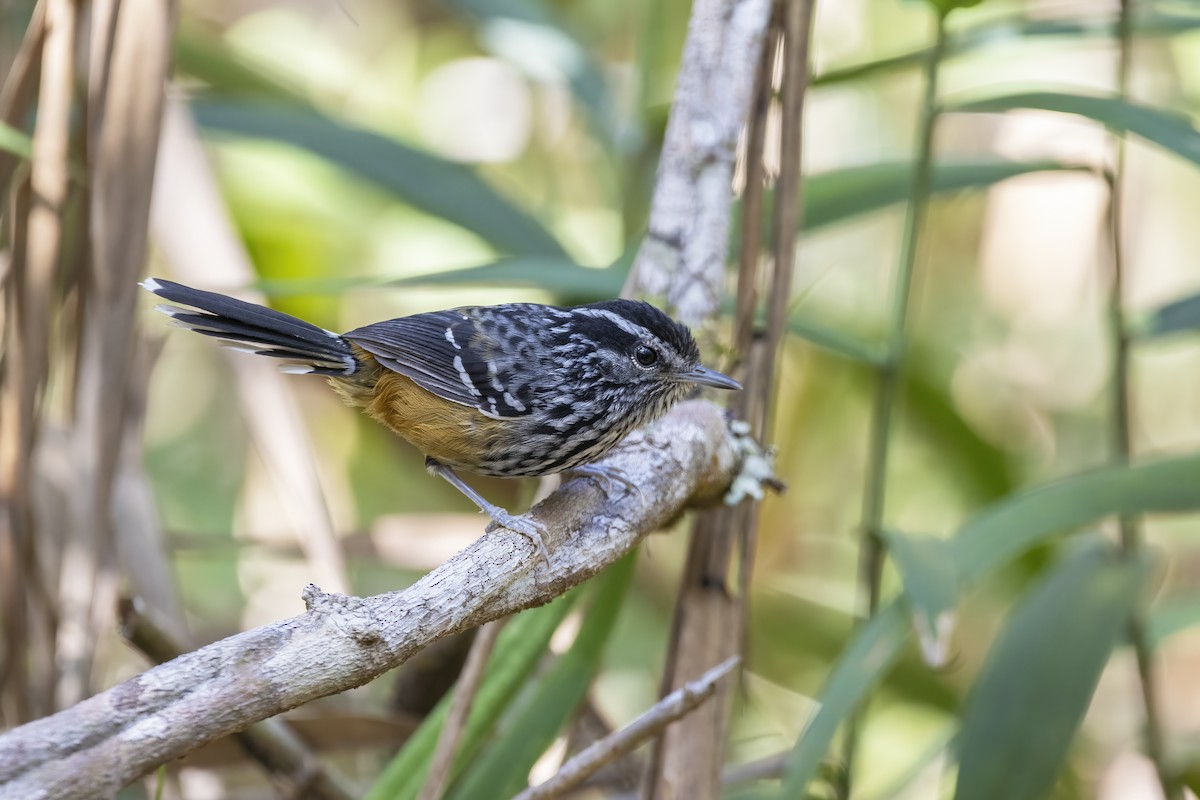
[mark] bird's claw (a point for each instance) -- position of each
(526, 527)
(609, 477)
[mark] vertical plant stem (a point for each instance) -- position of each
(1122, 437)
(871, 552)
(469, 681)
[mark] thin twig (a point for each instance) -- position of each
(888, 385)
(627, 739)
(1122, 444)
(460, 708)
(750, 247)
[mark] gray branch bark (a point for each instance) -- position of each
(99, 745)
(683, 255)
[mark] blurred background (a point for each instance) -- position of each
(351, 161)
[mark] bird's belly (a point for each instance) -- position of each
(458, 436)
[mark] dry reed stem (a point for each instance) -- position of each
(709, 620)
(469, 681)
(193, 228)
(124, 122)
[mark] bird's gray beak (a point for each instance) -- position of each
(709, 377)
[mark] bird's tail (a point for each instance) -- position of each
(256, 329)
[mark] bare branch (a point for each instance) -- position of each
(627, 739)
(272, 742)
(97, 746)
(683, 255)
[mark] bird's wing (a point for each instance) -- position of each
(446, 353)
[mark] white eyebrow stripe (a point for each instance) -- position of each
(616, 319)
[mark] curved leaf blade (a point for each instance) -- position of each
(839, 194)
(986, 542)
(518, 649)
(1030, 698)
(930, 579)
(1168, 130)
(1000, 30)
(1175, 317)
(863, 664)
(15, 141)
(835, 341)
(1008, 528)
(559, 275)
(434, 185)
(502, 771)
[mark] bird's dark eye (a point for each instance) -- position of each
(646, 356)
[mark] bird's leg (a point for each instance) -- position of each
(526, 527)
(608, 477)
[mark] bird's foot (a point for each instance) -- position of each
(526, 527)
(609, 478)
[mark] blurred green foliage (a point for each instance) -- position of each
(382, 160)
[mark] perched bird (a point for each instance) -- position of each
(509, 390)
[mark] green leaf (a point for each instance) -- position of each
(561, 276)
(1006, 529)
(987, 541)
(837, 195)
(518, 649)
(206, 58)
(503, 769)
(1172, 131)
(434, 185)
(798, 657)
(833, 340)
(1181, 315)
(15, 141)
(863, 664)
(926, 567)
(1001, 31)
(1169, 617)
(1024, 708)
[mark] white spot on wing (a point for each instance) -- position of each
(513, 402)
(450, 339)
(239, 347)
(151, 285)
(466, 379)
